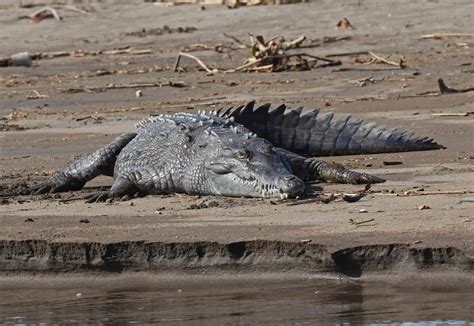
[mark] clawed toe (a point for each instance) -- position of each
(364, 178)
(98, 197)
(40, 189)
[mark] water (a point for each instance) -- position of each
(302, 302)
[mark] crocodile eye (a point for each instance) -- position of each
(243, 154)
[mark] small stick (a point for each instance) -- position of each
(440, 36)
(249, 64)
(363, 69)
(444, 89)
(425, 193)
(84, 118)
(187, 55)
(346, 54)
(236, 40)
(400, 64)
(261, 68)
(364, 98)
(366, 221)
(112, 86)
(463, 114)
(325, 200)
(302, 55)
(295, 43)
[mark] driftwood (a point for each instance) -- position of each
(268, 55)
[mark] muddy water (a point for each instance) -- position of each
(330, 301)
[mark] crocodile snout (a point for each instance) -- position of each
(291, 185)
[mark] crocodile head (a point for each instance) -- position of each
(249, 167)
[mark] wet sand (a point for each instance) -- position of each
(41, 136)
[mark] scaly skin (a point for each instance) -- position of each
(315, 134)
(208, 154)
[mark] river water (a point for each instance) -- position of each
(295, 302)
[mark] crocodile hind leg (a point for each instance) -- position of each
(75, 176)
(308, 169)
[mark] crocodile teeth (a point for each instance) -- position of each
(284, 195)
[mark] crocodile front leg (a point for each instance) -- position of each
(122, 188)
(309, 169)
(75, 176)
(140, 182)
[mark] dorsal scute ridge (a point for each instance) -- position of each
(189, 121)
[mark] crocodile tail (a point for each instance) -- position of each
(319, 134)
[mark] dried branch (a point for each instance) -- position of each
(187, 55)
(448, 90)
(244, 66)
(378, 58)
(236, 40)
(123, 86)
(442, 36)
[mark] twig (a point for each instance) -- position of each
(425, 193)
(441, 36)
(113, 86)
(363, 222)
(362, 69)
(305, 55)
(448, 90)
(249, 64)
(346, 54)
(79, 53)
(400, 64)
(364, 98)
(236, 40)
(187, 55)
(260, 68)
(461, 114)
(320, 199)
(294, 44)
(84, 118)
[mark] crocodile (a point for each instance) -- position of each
(245, 151)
